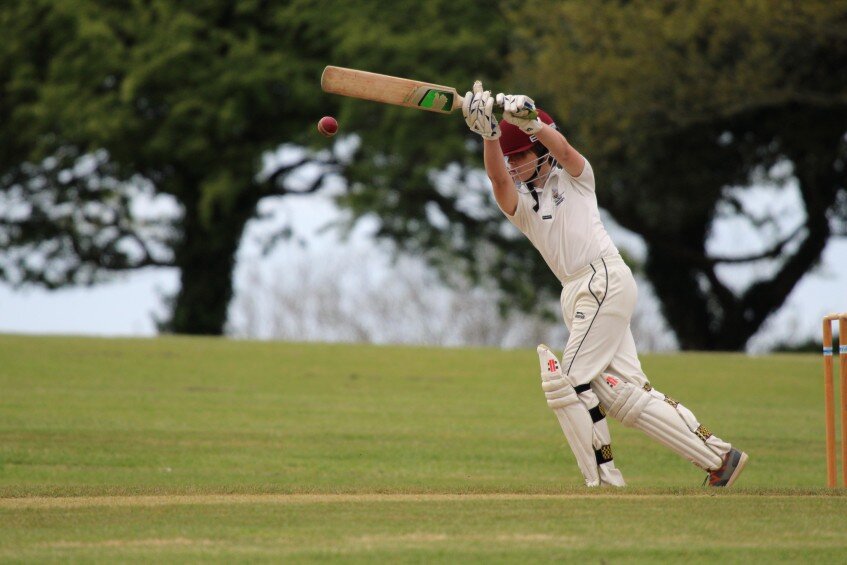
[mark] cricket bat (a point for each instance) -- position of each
(391, 90)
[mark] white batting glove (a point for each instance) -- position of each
(516, 111)
(478, 110)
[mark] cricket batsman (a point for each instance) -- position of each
(546, 189)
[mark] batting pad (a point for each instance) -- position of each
(602, 437)
(574, 418)
(662, 418)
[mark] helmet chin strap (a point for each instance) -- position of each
(531, 180)
(531, 183)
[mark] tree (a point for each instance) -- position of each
(103, 100)
(676, 103)
(111, 97)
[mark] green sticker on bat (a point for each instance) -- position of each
(437, 100)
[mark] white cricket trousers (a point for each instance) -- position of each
(597, 304)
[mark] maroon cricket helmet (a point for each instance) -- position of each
(513, 140)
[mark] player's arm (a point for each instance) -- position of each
(517, 109)
(568, 157)
(478, 110)
(501, 182)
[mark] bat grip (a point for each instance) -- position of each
(498, 112)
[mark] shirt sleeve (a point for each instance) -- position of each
(521, 217)
(586, 179)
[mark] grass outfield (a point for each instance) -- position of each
(195, 448)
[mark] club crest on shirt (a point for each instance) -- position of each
(557, 198)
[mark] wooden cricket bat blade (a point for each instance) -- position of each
(390, 90)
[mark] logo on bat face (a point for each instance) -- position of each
(432, 99)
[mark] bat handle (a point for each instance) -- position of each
(498, 113)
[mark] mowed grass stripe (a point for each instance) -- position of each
(476, 529)
(223, 499)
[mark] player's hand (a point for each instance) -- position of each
(517, 109)
(478, 110)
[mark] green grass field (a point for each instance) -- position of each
(207, 449)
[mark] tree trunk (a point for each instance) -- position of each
(206, 259)
(704, 314)
(693, 315)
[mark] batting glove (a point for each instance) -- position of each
(478, 110)
(517, 109)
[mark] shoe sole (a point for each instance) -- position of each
(738, 469)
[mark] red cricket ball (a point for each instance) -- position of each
(327, 126)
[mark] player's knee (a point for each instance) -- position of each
(557, 388)
(624, 401)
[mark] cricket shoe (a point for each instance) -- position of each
(725, 475)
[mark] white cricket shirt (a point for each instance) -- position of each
(566, 229)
